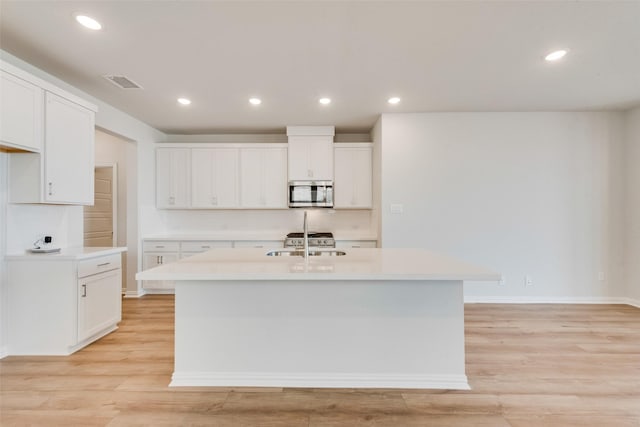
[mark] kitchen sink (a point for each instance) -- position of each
(311, 253)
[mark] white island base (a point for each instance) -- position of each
(320, 333)
(375, 318)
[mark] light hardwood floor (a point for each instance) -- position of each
(528, 365)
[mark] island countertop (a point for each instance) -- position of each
(357, 264)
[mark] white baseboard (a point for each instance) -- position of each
(4, 352)
(159, 292)
(550, 300)
(134, 294)
(633, 302)
(316, 380)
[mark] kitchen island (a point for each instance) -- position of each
(383, 318)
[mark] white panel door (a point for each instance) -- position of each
(263, 178)
(311, 158)
(172, 178)
(69, 147)
(353, 178)
(99, 302)
(214, 178)
(21, 113)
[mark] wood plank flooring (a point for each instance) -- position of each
(528, 365)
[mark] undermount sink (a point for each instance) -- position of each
(301, 253)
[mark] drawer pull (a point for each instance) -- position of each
(84, 291)
(159, 246)
(104, 264)
(206, 247)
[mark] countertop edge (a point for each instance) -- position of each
(73, 253)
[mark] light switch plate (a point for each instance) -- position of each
(397, 208)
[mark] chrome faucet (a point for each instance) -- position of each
(305, 236)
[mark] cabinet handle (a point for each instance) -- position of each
(159, 246)
(84, 291)
(104, 264)
(51, 188)
(205, 247)
(161, 259)
(157, 259)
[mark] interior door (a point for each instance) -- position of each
(99, 219)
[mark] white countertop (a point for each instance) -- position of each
(358, 264)
(258, 235)
(73, 253)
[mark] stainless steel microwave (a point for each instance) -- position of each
(310, 194)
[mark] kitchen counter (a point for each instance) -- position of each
(357, 264)
(253, 235)
(382, 318)
(72, 253)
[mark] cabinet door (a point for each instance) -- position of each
(69, 147)
(154, 259)
(263, 178)
(21, 113)
(353, 177)
(172, 178)
(214, 178)
(99, 302)
(311, 158)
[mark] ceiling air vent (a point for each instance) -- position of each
(123, 82)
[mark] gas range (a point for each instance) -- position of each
(319, 240)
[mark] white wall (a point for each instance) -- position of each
(536, 194)
(632, 205)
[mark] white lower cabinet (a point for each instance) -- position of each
(266, 244)
(98, 303)
(56, 306)
(189, 248)
(356, 243)
(157, 253)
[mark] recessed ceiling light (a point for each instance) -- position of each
(394, 100)
(324, 101)
(255, 101)
(184, 101)
(554, 56)
(88, 22)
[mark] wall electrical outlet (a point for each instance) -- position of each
(397, 208)
(528, 281)
(503, 280)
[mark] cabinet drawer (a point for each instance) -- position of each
(98, 265)
(204, 245)
(158, 246)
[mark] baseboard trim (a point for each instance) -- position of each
(134, 294)
(550, 300)
(315, 380)
(4, 352)
(159, 291)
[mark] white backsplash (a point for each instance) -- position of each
(260, 221)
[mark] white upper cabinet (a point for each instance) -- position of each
(173, 174)
(311, 158)
(263, 178)
(310, 153)
(214, 178)
(69, 152)
(352, 187)
(21, 113)
(50, 134)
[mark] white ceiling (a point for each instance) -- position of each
(437, 56)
